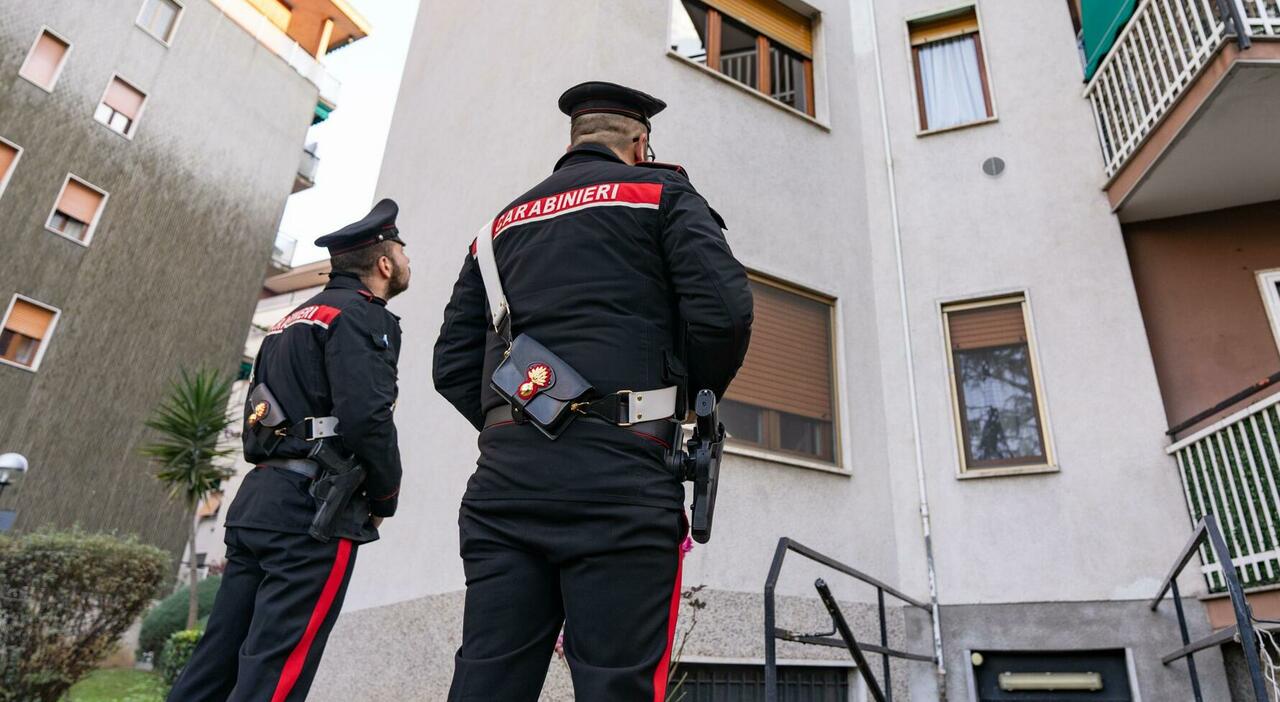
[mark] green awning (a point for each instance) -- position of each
(1102, 20)
(322, 113)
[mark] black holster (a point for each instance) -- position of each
(341, 477)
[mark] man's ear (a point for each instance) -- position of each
(385, 266)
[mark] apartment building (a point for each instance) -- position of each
(147, 149)
(1012, 265)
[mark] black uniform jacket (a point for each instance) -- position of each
(624, 273)
(336, 355)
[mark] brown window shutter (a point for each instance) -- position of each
(929, 31)
(779, 22)
(42, 63)
(124, 98)
(28, 319)
(984, 327)
(79, 201)
(7, 156)
(788, 366)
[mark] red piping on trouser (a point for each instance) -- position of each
(298, 657)
(660, 675)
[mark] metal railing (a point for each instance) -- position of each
(772, 633)
(309, 164)
(1157, 56)
(282, 45)
(1231, 469)
(740, 66)
(1243, 631)
(282, 250)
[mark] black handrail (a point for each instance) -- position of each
(839, 625)
(1234, 399)
(1243, 630)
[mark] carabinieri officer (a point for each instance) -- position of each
(329, 373)
(619, 268)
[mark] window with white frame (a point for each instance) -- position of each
(995, 386)
(79, 206)
(25, 332)
(160, 18)
(121, 107)
(783, 398)
(9, 154)
(1269, 282)
(45, 60)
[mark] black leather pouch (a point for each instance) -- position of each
(539, 385)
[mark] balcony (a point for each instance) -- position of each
(282, 254)
(1232, 469)
(270, 35)
(307, 167)
(1184, 103)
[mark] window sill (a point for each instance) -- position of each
(979, 473)
(784, 459)
(144, 30)
(127, 136)
(47, 89)
(957, 127)
(51, 230)
(15, 364)
(749, 90)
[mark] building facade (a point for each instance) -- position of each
(147, 149)
(987, 289)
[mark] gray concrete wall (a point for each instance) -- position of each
(174, 268)
(1066, 626)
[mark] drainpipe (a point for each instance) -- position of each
(907, 349)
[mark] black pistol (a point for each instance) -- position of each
(341, 476)
(700, 463)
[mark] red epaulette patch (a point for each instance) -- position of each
(366, 295)
(317, 315)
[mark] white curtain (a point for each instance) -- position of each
(951, 82)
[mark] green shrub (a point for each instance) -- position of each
(176, 653)
(67, 599)
(171, 615)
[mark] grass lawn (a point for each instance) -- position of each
(118, 685)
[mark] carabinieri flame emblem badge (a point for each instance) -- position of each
(539, 376)
(259, 411)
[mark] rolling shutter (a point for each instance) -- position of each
(779, 22)
(79, 201)
(999, 325)
(124, 98)
(788, 366)
(29, 320)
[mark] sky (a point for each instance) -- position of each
(351, 141)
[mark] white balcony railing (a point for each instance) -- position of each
(1160, 53)
(282, 250)
(1232, 469)
(280, 43)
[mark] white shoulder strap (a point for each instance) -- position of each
(492, 282)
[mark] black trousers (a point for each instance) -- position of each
(279, 597)
(609, 573)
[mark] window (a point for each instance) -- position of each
(1269, 281)
(712, 682)
(995, 386)
(45, 60)
(950, 73)
(25, 332)
(121, 107)
(9, 153)
(760, 43)
(160, 18)
(783, 399)
(76, 213)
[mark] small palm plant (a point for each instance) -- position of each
(190, 421)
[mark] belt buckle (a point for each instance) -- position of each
(625, 394)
